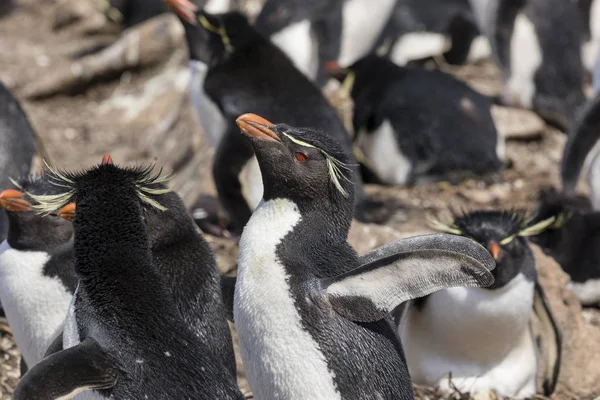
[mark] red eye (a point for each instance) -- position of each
(301, 157)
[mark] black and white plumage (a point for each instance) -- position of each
(412, 124)
(537, 45)
(17, 144)
(482, 336)
(37, 279)
(312, 317)
(124, 336)
(247, 73)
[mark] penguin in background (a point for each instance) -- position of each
(313, 32)
(188, 267)
(537, 46)
(124, 336)
(407, 134)
(17, 144)
(572, 241)
(37, 279)
(590, 16)
(246, 73)
(419, 29)
(482, 336)
(301, 285)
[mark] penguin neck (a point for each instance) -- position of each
(27, 231)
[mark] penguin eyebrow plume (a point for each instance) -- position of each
(349, 80)
(334, 165)
(442, 227)
(220, 30)
(145, 179)
(532, 230)
(15, 183)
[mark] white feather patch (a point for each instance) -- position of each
(587, 292)
(282, 359)
(299, 44)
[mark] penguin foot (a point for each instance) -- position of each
(374, 211)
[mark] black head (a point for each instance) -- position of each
(27, 230)
(368, 81)
(503, 233)
(301, 164)
(212, 38)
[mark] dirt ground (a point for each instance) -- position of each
(115, 117)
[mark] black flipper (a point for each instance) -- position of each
(552, 340)
(408, 269)
(68, 372)
(582, 139)
(55, 346)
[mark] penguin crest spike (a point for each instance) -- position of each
(107, 159)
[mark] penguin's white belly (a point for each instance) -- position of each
(210, 116)
(282, 359)
(525, 60)
(419, 45)
(299, 44)
(384, 155)
(362, 24)
(480, 336)
(593, 175)
(251, 180)
(35, 305)
(590, 49)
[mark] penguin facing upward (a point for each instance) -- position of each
(37, 279)
(312, 318)
(482, 336)
(572, 241)
(406, 133)
(539, 55)
(247, 73)
(188, 267)
(17, 144)
(312, 32)
(128, 337)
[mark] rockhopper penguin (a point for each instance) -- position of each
(413, 124)
(125, 337)
(482, 336)
(37, 279)
(312, 317)
(247, 73)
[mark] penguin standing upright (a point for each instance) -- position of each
(17, 144)
(312, 318)
(537, 45)
(248, 73)
(480, 339)
(37, 279)
(124, 336)
(313, 32)
(188, 267)
(407, 133)
(573, 241)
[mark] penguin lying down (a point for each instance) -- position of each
(480, 339)
(313, 319)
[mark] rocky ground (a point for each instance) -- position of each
(144, 114)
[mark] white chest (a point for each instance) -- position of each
(384, 155)
(590, 49)
(35, 305)
(300, 45)
(481, 336)
(525, 59)
(282, 360)
(210, 116)
(251, 182)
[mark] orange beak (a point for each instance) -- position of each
(67, 212)
(256, 127)
(495, 251)
(185, 9)
(335, 70)
(107, 159)
(12, 200)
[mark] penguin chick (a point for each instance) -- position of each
(17, 144)
(188, 267)
(413, 123)
(37, 279)
(482, 336)
(537, 45)
(124, 337)
(246, 72)
(572, 241)
(312, 317)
